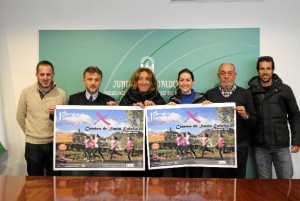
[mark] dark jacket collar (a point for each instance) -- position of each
(256, 87)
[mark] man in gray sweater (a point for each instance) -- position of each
(36, 104)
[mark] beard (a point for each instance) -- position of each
(45, 84)
(92, 89)
(265, 80)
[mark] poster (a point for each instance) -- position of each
(191, 135)
(99, 138)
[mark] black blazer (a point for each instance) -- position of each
(80, 99)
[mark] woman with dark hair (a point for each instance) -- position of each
(98, 148)
(114, 145)
(129, 148)
(186, 95)
(221, 144)
(204, 143)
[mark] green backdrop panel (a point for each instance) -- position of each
(118, 53)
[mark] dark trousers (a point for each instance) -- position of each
(130, 154)
(179, 172)
(184, 172)
(195, 172)
(39, 158)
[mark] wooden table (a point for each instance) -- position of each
(154, 189)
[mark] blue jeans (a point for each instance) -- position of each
(39, 158)
(281, 158)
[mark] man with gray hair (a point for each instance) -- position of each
(228, 91)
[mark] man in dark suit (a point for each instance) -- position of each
(92, 78)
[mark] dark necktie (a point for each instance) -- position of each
(91, 98)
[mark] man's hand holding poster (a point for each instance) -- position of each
(191, 135)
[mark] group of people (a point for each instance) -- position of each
(264, 112)
(115, 145)
(91, 147)
(183, 144)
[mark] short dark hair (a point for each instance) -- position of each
(44, 62)
(185, 70)
(93, 69)
(267, 59)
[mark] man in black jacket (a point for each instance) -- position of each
(276, 106)
(228, 91)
